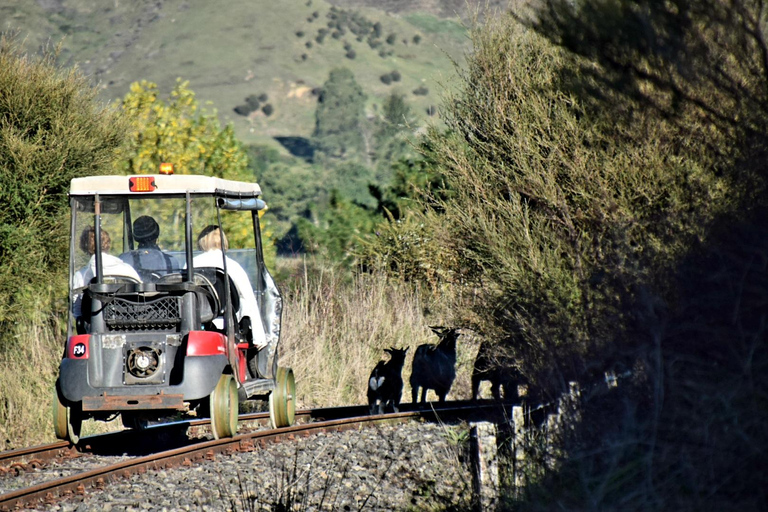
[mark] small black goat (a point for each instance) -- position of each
(434, 366)
(385, 385)
(494, 365)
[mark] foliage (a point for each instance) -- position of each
(406, 242)
(396, 115)
(691, 436)
(411, 249)
(290, 184)
(597, 212)
(177, 131)
(337, 229)
(340, 114)
(565, 214)
(352, 180)
(51, 130)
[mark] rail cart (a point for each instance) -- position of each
(171, 340)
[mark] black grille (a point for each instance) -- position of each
(156, 314)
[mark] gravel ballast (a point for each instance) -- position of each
(412, 466)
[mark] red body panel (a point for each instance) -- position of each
(206, 343)
(241, 363)
(79, 346)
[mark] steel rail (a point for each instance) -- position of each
(48, 492)
(22, 460)
(26, 459)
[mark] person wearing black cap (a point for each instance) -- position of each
(149, 259)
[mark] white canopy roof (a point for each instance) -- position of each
(163, 184)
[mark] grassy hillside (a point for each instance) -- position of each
(233, 49)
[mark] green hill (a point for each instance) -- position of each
(277, 54)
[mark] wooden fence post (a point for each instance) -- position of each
(485, 465)
(518, 448)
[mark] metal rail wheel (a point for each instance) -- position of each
(224, 407)
(282, 403)
(67, 421)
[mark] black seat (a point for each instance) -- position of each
(217, 277)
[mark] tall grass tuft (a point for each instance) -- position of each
(28, 376)
(336, 328)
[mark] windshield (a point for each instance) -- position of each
(148, 243)
(144, 239)
(147, 235)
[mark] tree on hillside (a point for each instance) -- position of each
(176, 130)
(340, 114)
(336, 229)
(51, 130)
(290, 184)
(391, 134)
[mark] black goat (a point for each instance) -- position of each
(385, 385)
(434, 366)
(494, 365)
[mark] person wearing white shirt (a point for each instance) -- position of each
(210, 242)
(111, 265)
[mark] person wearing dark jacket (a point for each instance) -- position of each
(148, 258)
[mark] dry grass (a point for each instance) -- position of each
(336, 328)
(26, 384)
(27, 381)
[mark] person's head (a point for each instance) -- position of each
(88, 240)
(211, 238)
(145, 230)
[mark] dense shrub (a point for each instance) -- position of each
(51, 130)
(386, 78)
(253, 101)
(603, 214)
(421, 91)
(267, 109)
(243, 110)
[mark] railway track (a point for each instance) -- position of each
(185, 443)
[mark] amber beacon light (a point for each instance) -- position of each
(166, 168)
